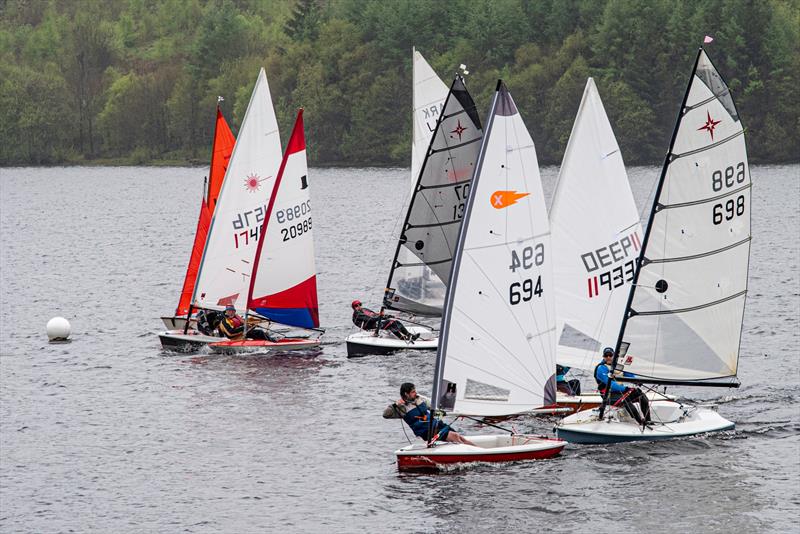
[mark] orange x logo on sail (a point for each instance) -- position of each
(504, 199)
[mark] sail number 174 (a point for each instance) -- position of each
(524, 290)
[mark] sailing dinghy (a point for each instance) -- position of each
(225, 268)
(596, 237)
(221, 150)
(683, 318)
(496, 354)
(449, 135)
(283, 282)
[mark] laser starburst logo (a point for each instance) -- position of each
(253, 182)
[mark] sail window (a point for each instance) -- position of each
(485, 392)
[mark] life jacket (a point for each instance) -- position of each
(232, 328)
(417, 419)
(601, 386)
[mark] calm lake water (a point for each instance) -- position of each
(110, 434)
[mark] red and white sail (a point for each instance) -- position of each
(284, 283)
(227, 264)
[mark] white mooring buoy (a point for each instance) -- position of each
(58, 329)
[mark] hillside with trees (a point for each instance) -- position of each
(136, 81)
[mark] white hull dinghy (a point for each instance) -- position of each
(683, 318)
(487, 449)
(669, 420)
(178, 322)
(180, 341)
(587, 401)
(363, 342)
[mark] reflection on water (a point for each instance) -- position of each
(109, 434)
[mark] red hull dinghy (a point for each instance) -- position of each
(488, 449)
(259, 345)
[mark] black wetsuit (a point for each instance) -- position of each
(367, 319)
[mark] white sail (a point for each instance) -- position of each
(685, 317)
(429, 93)
(497, 348)
(436, 209)
(596, 237)
(284, 283)
(428, 100)
(225, 270)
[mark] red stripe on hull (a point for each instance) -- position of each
(596, 290)
(423, 462)
(590, 287)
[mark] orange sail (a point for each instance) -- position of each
(203, 222)
(220, 155)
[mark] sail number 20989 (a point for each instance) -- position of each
(523, 291)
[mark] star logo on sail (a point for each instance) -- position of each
(709, 125)
(253, 182)
(458, 131)
(504, 199)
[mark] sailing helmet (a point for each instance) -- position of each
(608, 350)
(230, 307)
(356, 303)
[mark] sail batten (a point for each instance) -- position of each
(424, 290)
(496, 353)
(435, 209)
(685, 311)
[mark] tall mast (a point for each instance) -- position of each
(641, 260)
(441, 351)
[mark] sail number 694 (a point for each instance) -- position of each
(524, 291)
(530, 256)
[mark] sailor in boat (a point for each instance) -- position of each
(570, 387)
(619, 393)
(232, 327)
(367, 319)
(413, 409)
(208, 322)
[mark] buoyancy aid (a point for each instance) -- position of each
(417, 419)
(232, 328)
(601, 386)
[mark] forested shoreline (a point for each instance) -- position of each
(136, 81)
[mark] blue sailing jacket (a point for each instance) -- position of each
(601, 374)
